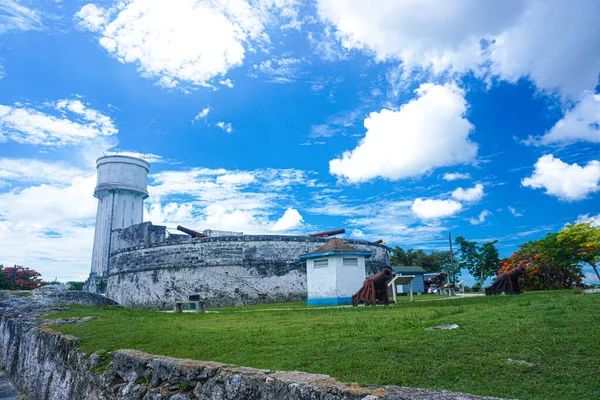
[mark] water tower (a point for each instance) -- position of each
(120, 189)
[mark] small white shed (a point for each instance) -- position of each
(334, 272)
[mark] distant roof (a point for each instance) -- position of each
(402, 269)
(333, 247)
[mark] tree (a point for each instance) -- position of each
(554, 262)
(584, 241)
(481, 260)
(76, 285)
(26, 279)
(4, 282)
(434, 261)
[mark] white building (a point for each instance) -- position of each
(334, 272)
(121, 189)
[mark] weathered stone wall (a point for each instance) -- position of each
(225, 271)
(46, 365)
(144, 234)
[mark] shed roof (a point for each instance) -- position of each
(333, 247)
(408, 269)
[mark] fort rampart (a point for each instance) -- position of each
(147, 269)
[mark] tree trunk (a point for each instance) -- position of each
(596, 271)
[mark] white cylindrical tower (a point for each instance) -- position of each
(120, 189)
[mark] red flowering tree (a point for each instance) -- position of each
(550, 263)
(26, 279)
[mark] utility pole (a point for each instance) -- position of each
(451, 258)
(14, 277)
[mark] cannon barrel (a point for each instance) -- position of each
(191, 232)
(381, 277)
(379, 241)
(328, 233)
(374, 289)
(513, 273)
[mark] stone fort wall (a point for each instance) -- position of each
(149, 270)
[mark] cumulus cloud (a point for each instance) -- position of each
(290, 219)
(46, 217)
(481, 218)
(66, 122)
(524, 38)
(581, 123)
(225, 126)
(470, 195)
(568, 182)
(594, 219)
(226, 200)
(432, 208)
(189, 41)
(453, 176)
(429, 131)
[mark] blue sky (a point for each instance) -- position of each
(401, 121)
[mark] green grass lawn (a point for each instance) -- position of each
(557, 331)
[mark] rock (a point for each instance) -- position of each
(63, 287)
(522, 362)
(445, 326)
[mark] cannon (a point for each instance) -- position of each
(328, 233)
(378, 241)
(374, 289)
(191, 232)
(506, 282)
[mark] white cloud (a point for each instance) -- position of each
(470, 195)
(75, 124)
(594, 219)
(46, 220)
(189, 41)
(453, 176)
(279, 70)
(151, 158)
(226, 82)
(92, 18)
(431, 208)
(225, 200)
(238, 178)
(568, 182)
(202, 114)
(429, 131)
(510, 40)
(225, 126)
(481, 219)
(582, 123)
(514, 212)
(290, 219)
(19, 171)
(14, 16)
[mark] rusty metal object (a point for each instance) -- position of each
(507, 282)
(378, 241)
(191, 232)
(374, 289)
(328, 233)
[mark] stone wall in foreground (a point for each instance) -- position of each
(47, 365)
(224, 271)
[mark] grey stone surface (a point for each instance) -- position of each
(225, 271)
(48, 365)
(7, 390)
